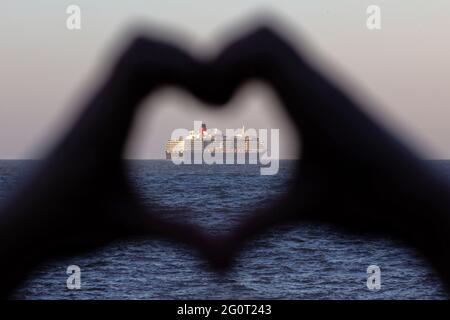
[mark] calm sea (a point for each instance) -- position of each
(293, 262)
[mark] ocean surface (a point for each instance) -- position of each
(303, 261)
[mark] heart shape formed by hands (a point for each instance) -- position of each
(353, 173)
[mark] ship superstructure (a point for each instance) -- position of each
(213, 141)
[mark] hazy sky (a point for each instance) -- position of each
(46, 71)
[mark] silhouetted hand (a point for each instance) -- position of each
(80, 197)
(352, 172)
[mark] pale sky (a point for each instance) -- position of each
(402, 71)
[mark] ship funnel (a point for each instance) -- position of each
(202, 129)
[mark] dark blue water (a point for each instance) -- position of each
(294, 262)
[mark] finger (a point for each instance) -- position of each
(295, 206)
(152, 221)
(102, 129)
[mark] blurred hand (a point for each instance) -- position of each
(352, 173)
(80, 197)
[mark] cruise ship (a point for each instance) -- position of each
(241, 145)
